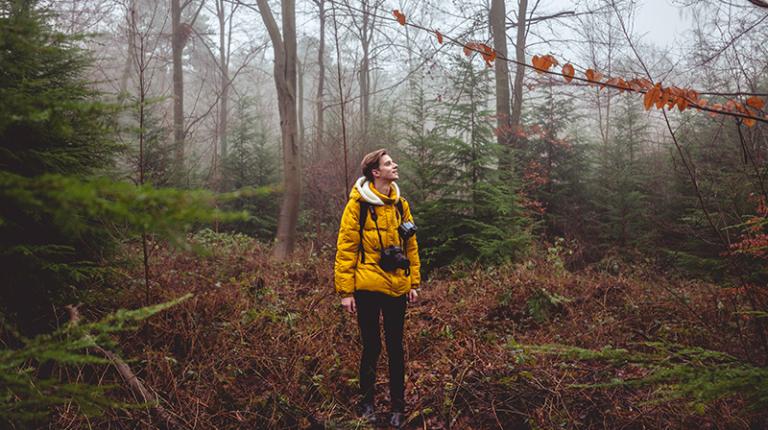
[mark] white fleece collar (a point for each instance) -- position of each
(369, 196)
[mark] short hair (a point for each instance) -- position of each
(371, 161)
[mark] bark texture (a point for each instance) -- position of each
(284, 47)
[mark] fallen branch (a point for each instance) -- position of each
(134, 383)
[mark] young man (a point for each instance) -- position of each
(373, 277)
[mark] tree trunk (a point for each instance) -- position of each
(285, 83)
(224, 69)
(177, 46)
(517, 102)
(130, 20)
(319, 106)
(365, 77)
(365, 30)
(300, 102)
(497, 19)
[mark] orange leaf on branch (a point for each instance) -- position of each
(663, 98)
(635, 85)
(716, 107)
(593, 76)
(439, 37)
(551, 61)
(651, 96)
(755, 102)
(749, 122)
(469, 48)
(568, 72)
(613, 82)
(489, 54)
(542, 64)
(399, 15)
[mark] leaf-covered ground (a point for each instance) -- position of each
(266, 345)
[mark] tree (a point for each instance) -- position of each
(251, 164)
(180, 35)
(619, 185)
(319, 105)
(285, 81)
(50, 123)
(517, 100)
(474, 214)
(555, 165)
(497, 17)
(364, 23)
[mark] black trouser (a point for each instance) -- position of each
(369, 305)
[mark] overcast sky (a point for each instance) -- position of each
(661, 22)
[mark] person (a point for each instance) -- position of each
(370, 283)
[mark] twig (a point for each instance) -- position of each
(134, 383)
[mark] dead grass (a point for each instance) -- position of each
(266, 345)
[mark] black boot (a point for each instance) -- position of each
(397, 420)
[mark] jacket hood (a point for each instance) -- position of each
(365, 190)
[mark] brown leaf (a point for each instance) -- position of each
(551, 61)
(439, 37)
(650, 96)
(749, 122)
(755, 102)
(568, 72)
(399, 15)
(593, 76)
(662, 98)
(489, 54)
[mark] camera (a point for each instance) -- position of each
(406, 230)
(392, 258)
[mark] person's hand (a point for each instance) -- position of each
(349, 304)
(412, 296)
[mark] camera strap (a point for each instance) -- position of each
(402, 219)
(375, 219)
(366, 207)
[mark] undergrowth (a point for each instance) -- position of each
(266, 345)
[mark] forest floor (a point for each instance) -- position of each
(266, 345)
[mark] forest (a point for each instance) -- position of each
(591, 199)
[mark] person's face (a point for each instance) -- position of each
(387, 169)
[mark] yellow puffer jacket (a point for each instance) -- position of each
(351, 273)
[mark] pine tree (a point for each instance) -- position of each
(424, 154)
(251, 163)
(476, 216)
(620, 197)
(51, 122)
(560, 160)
